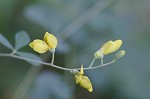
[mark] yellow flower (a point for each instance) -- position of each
(83, 80)
(51, 40)
(108, 47)
(39, 46)
(49, 43)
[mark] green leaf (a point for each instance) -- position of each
(21, 39)
(30, 56)
(5, 42)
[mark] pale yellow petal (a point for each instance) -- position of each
(106, 48)
(117, 44)
(85, 83)
(51, 40)
(45, 36)
(91, 89)
(110, 46)
(39, 46)
(77, 80)
(31, 45)
(77, 77)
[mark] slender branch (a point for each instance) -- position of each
(102, 57)
(52, 65)
(99, 65)
(53, 56)
(44, 63)
(101, 61)
(92, 63)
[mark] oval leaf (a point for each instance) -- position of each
(30, 56)
(21, 39)
(5, 42)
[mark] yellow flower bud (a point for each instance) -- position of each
(97, 54)
(39, 46)
(77, 77)
(83, 80)
(85, 83)
(117, 45)
(110, 46)
(51, 40)
(119, 54)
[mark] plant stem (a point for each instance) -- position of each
(99, 65)
(44, 63)
(52, 65)
(101, 61)
(92, 63)
(53, 56)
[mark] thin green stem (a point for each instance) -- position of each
(52, 65)
(102, 61)
(13, 52)
(53, 56)
(92, 63)
(99, 65)
(44, 63)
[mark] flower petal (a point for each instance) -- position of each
(117, 44)
(85, 83)
(51, 40)
(107, 47)
(39, 46)
(110, 46)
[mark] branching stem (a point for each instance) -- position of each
(55, 66)
(92, 63)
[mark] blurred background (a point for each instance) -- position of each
(81, 27)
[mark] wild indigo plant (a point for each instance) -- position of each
(49, 43)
